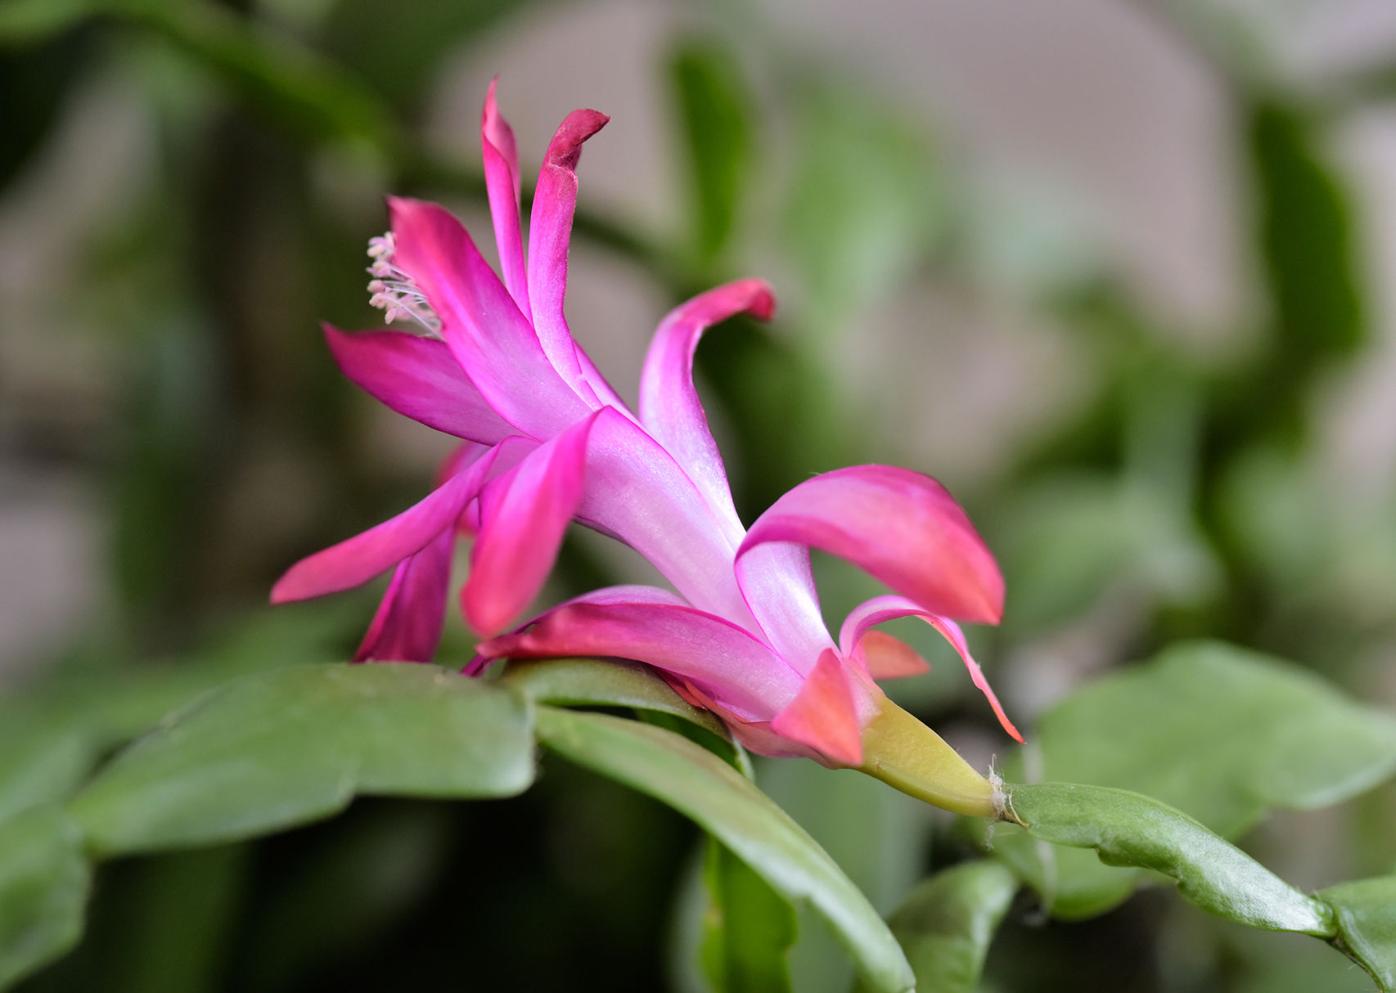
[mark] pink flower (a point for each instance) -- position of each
(547, 441)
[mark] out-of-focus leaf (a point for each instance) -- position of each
(1307, 237)
(292, 84)
(275, 750)
(714, 116)
(1366, 912)
(748, 928)
(706, 789)
(1065, 540)
(25, 22)
(1220, 733)
(948, 922)
(44, 880)
(865, 201)
(402, 54)
(1130, 829)
(34, 84)
(598, 683)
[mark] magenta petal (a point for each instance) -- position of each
(879, 610)
(419, 378)
(360, 558)
(669, 405)
(481, 323)
(501, 158)
(410, 617)
(722, 658)
(637, 493)
(824, 716)
(901, 527)
(549, 234)
(523, 515)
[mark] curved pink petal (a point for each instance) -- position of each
(419, 378)
(637, 493)
(502, 182)
(824, 715)
(862, 618)
(723, 659)
(669, 405)
(549, 234)
(358, 559)
(484, 328)
(407, 626)
(899, 526)
(523, 515)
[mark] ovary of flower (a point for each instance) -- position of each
(546, 441)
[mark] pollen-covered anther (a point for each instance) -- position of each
(392, 291)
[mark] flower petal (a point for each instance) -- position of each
(419, 378)
(824, 715)
(886, 657)
(488, 335)
(523, 515)
(901, 527)
(879, 610)
(715, 654)
(360, 558)
(669, 405)
(637, 493)
(502, 180)
(410, 617)
(549, 234)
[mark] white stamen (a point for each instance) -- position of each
(392, 291)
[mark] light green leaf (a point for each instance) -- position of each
(947, 923)
(1130, 829)
(280, 749)
(748, 928)
(597, 683)
(717, 797)
(1222, 734)
(1366, 912)
(44, 880)
(713, 113)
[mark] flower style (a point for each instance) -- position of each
(546, 440)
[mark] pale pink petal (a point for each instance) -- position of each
(824, 716)
(669, 405)
(484, 328)
(501, 158)
(419, 378)
(636, 492)
(724, 660)
(549, 234)
(358, 559)
(523, 515)
(410, 617)
(901, 527)
(880, 610)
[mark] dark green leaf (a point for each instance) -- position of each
(713, 112)
(44, 880)
(1220, 733)
(1307, 237)
(1130, 829)
(24, 22)
(276, 750)
(1367, 925)
(748, 928)
(946, 924)
(706, 789)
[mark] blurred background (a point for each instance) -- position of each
(1118, 273)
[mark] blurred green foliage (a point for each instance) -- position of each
(1190, 488)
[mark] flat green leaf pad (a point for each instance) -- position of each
(283, 748)
(44, 880)
(1366, 912)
